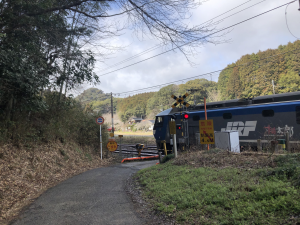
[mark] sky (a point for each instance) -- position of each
(264, 32)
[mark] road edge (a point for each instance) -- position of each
(143, 208)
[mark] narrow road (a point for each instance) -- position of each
(95, 197)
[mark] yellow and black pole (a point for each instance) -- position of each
(205, 116)
(165, 147)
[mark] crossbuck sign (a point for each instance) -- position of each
(180, 100)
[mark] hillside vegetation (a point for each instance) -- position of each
(250, 76)
(149, 104)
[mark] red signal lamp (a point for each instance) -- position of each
(186, 116)
(178, 127)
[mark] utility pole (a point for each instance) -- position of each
(299, 5)
(112, 114)
(273, 87)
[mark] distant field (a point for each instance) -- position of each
(134, 133)
(138, 139)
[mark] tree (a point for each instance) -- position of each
(213, 96)
(135, 105)
(234, 85)
(164, 20)
(85, 34)
(202, 86)
(252, 75)
(39, 52)
(42, 41)
(125, 116)
(46, 44)
(139, 111)
(162, 100)
(288, 82)
(223, 81)
(25, 67)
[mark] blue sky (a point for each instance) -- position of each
(264, 32)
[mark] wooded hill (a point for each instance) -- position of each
(250, 76)
(149, 104)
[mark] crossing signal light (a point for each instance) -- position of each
(178, 127)
(185, 116)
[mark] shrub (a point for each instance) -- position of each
(65, 121)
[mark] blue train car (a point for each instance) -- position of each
(265, 117)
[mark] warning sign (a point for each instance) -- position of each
(172, 126)
(207, 135)
(112, 146)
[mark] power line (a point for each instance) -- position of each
(149, 88)
(157, 46)
(205, 74)
(133, 57)
(286, 22)
(198, 39)
(240, 11)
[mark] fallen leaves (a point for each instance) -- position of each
(25, 172)
(223, 159)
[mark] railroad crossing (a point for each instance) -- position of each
(180, 100)
(129, 150)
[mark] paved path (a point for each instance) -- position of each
(94, 197)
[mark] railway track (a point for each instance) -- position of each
(129, 150)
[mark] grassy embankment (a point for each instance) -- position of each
(217, 187)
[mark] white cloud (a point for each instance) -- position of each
(261, 33)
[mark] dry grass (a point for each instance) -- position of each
(222, 159)
(137, 140)
(26, 172)
(137, 133)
